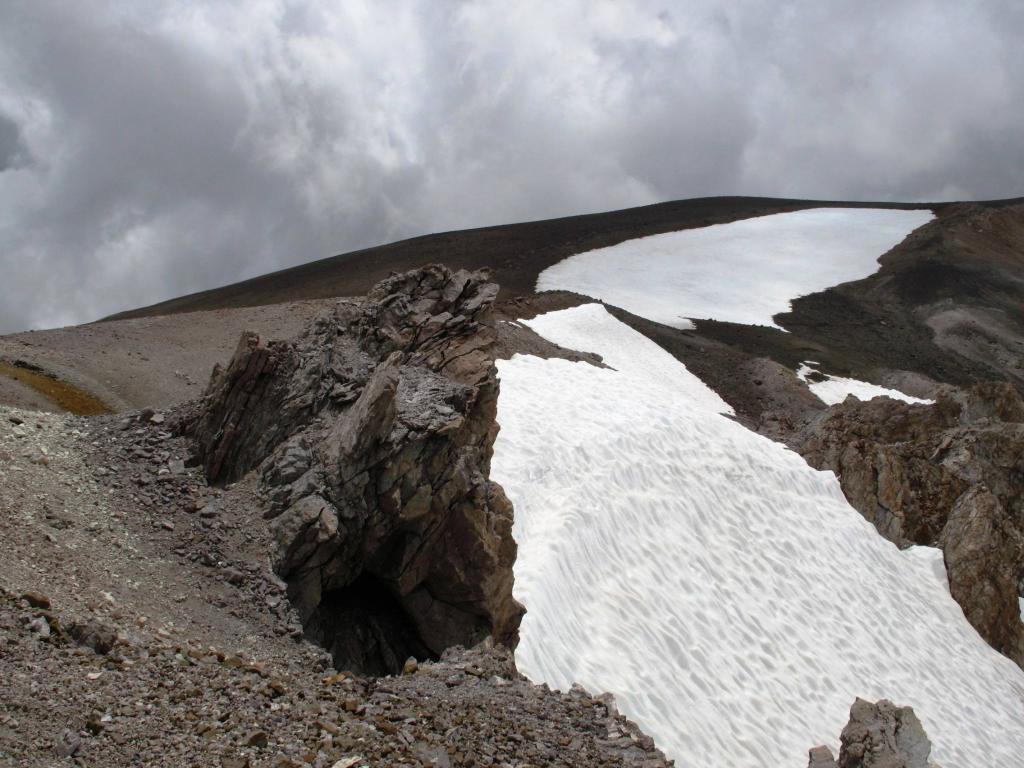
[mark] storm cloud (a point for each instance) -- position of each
(149, 149)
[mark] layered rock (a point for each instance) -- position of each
(373, 432)
(949, 475)
(878, 735)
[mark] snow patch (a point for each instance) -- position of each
(743, 272)
(725, 591)
(834, 389)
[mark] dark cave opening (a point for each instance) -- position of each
(365, 629)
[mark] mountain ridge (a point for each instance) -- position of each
(516, 253)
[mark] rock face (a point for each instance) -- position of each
(949, 475)
(373, 433)
(879, 735)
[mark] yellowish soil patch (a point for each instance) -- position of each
(67, 396)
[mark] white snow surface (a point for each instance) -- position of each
(835, 388)
(744, 272)
(721, 588)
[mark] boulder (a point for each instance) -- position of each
(981, 547)
(882, 735)
(878, 735)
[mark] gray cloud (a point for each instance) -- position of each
(149, 149)
(11, 150)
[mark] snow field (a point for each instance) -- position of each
(743, 272)
(721, 588)
(835, 388)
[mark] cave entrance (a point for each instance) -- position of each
(365, 628)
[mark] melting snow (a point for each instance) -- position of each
(834, 389)
(743, 272)
(720, 587)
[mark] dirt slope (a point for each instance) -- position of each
(516, 253)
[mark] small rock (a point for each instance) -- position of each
(94, 635)
(156, 418)
(40, 626)
(348, 762)
(36, 600)
(167, 525)
(258, 739)
(94, 724)
(410, 666)
(68, 743)
(16, 420)
(821, 757)
(176, 466)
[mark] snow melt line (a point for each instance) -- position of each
(834, 389)
(745, 271)
(722, 589)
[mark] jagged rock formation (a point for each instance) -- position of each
(879, 735)
(949, 475)
(373, 432)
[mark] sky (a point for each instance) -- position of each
(150, 149)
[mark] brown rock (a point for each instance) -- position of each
(980, 545)
(258, 739)
(36, 600)
(93, 634)
(947, 475)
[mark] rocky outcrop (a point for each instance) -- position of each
(879, 735)
(949, 475)
(373, 433)
(982, 547)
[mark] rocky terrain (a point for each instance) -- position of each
(162, 605)
(946, 476)
(283, 566)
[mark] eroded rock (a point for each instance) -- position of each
(949, 475)
(373, 432)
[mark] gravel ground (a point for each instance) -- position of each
(141, 625)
